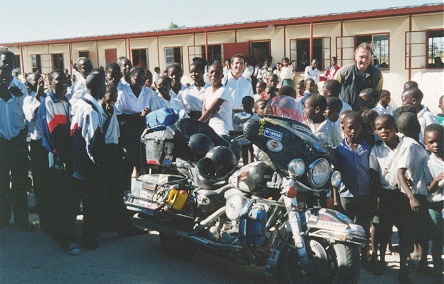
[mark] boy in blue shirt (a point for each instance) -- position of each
(351, 158)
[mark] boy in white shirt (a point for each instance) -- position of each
(163, 99)
(433, 140)
(383, 106)
(411, 164)
(314, 112)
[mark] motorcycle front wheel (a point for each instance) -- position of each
(329, 263)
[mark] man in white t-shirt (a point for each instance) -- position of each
(239, 85)
(312, 71)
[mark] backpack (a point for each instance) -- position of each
(162, 117)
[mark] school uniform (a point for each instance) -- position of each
(380, 109)
(425, 117)
(436, 167)
(182, 89)
(192, 99)
(39, 162)
(13, 160)
(239, 88)
(54, 121)
(413, 157)
(90, 158)
(383, 160)
(312, 73)
(285, 74)
(158, 102)
(327, 131)
(221, 121)
(127, 108)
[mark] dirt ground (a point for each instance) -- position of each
(33, 257)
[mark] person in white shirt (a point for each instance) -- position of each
(434, 142)
(175, 72)
(332, 112)
(217, 106)
(131, 108)
(312, 71)
(125, 67)
(383, 106)
(286, 72)
(238, 85)
(413, 97)
(411, 173)
(163, 98)
(156, 75)
(193, 96)
(82, 68)
(37, 153)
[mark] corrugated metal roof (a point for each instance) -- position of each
(243, 25)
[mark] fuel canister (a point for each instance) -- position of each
(177, 197)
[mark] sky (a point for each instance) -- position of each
(49, 19)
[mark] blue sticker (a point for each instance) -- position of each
(343, 217)
(273, 134)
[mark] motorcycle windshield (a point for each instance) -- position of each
(285, 106)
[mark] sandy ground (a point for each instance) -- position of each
(33, 257)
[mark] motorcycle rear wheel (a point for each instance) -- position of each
(329, 263)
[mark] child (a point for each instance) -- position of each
(163, 99)
(260, 89)
(310, 88)
(332, 88)
(286, 72)
(433, 140)
(410, 164)
(192, 97)
(341, 120)
(149, 79)
(217, 107)
(368, 98)
(269, 93)
(113, 75)
(368, 117)
(300, 87)
(238, 121)
(175, 72)
(440, 116)
(314, 113)
(259, 108)
(334, 106)
(53, 116)
(383, 158)
(115, 213)
(38, 154)
(351, 158)
(156, 75)
(414, 96)
(383, 106)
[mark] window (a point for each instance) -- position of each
(346, 49)
(300, 49)
(57, 61)
(84, 54)
(139, 58)
(215, 53)
(424, 49)
(435, 45)
(173, 54)
(36, 63)
(260, 49)
(18, 66)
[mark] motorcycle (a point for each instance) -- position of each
(265, 213)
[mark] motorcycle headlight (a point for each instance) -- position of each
(234, 205)
(319, 172)
(336, 179)
(296, 167)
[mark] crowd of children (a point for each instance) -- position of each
(391, 161)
